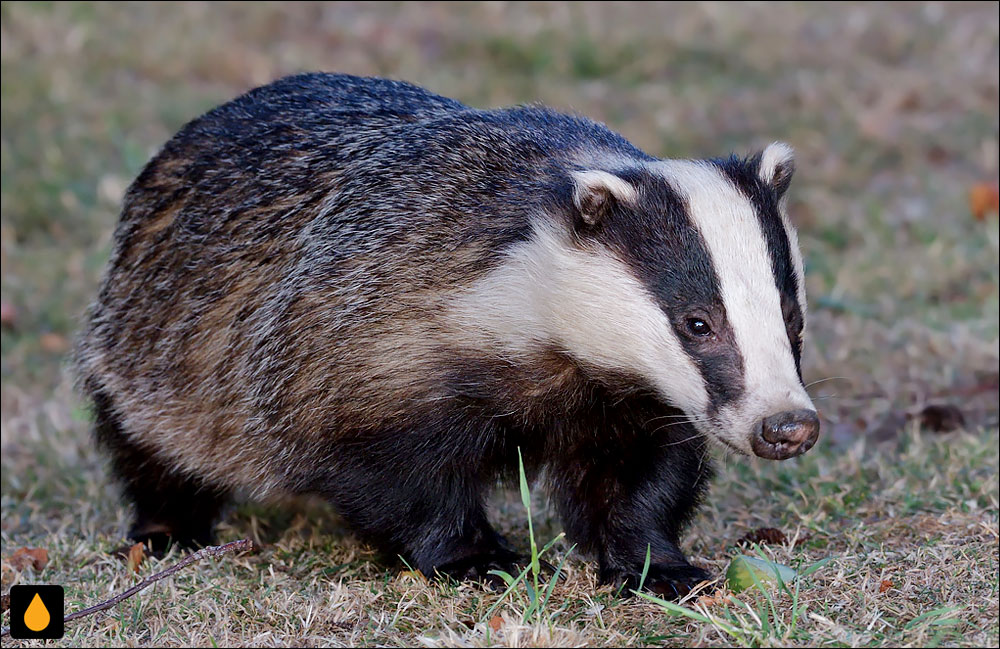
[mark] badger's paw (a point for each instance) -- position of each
(670, 581)
(674, 582)
(482, 568)
(159, 539)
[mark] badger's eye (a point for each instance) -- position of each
(698, 327)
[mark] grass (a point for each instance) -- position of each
(537, 595)
(893, 111)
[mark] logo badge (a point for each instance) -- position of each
(36, 612)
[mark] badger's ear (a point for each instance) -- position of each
(595, 192)
(777, 164)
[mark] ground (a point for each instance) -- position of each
(893, 112)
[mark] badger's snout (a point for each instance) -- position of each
(785, 435)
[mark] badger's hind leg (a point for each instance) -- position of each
(170, 507)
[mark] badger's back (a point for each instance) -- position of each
(281, 267)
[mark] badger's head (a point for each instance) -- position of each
(689, 274)
(685, 274)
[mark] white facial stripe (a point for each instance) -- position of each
(588, 304)
(732, 233)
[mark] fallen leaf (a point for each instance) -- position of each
(53, 343)
(412, 575)
(984, 198)
(763, 535)
(495, 623)
(121, 552)
(136, 554)
(721, 596)
(885, 585)
(37, 558)
(942, 418)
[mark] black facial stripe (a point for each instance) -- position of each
(794, 322)
(659, 241)
(744, 175)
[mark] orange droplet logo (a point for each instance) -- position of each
(37, 616)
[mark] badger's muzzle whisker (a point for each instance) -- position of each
(685, 440)
(829, 378)
(679, 417)
(680, 423)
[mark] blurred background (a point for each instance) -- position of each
(892, 109)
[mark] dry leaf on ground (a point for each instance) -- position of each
(984, 198)
(136, 554)
(37, 558)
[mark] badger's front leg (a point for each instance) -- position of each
(617, 499)
(418, 493)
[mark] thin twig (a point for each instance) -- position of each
(210, 551)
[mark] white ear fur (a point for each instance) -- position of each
(777, 164)
(594, 191)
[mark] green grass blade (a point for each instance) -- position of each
(554, 578)
(677, 609)
(532, 610)
(510, 589)
(935, 613)
(645, 569)
(508, 578)
(814, 567)
(526, 501)
(525, 492)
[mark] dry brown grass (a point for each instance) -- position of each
(893, 110)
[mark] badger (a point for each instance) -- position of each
(354, 288)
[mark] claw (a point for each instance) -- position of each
(668, 581)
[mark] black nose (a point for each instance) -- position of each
(786, 434)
